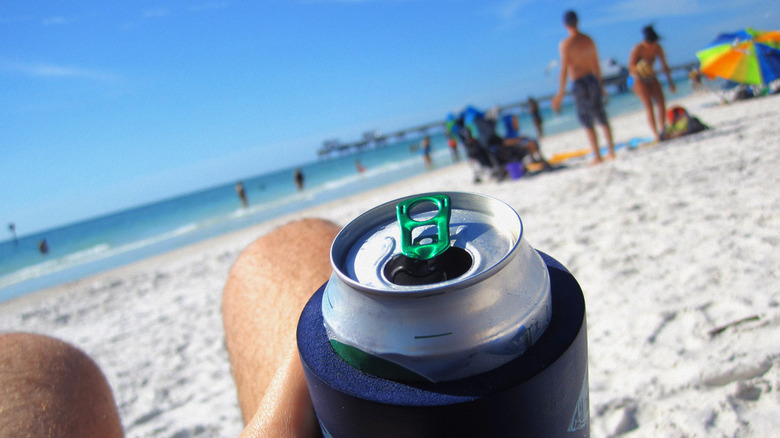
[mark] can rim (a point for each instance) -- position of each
(350, 233)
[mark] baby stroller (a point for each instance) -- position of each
(484, 147)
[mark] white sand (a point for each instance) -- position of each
(670, 244)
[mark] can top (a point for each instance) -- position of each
(483, 226)
(475, 304)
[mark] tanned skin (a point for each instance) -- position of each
(579, 58)
(650, 91)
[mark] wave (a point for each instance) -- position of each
(314, 193)
(182, 230)
(95, 253)
(54, 265)
(98, 257)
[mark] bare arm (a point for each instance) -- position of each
(556, 100)
(633, 58)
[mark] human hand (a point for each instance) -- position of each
(672, 87)
(556, 102)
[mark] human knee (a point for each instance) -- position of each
(289, 253)
(266, 289)
(277, 267)
(50, 388)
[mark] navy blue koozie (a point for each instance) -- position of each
(542, 393)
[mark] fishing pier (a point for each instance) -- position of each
(617, 78)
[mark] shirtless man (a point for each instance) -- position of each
(646, 85)
(580, 61)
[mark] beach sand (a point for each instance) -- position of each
(675, 247)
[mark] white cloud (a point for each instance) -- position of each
(17, 19)
(635, 9)
(56, 21)
(509, 10)
(155, 13)
(511, 14)
(210, 5)
(345, 1)
(626, 10)
(43, 70)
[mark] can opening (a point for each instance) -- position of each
(406, 271)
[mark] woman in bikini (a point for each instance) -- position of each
(646, 84)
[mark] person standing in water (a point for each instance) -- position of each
(242, 194)
(580, 61)
(646, 84)
(359, 166)
(12, 228)
(298, 178)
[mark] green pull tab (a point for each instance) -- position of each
(440, 242)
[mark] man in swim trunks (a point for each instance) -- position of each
(580, 61)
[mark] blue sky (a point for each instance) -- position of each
(108, 105)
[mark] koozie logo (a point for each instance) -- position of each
(581, 415)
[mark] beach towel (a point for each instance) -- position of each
(633, 143)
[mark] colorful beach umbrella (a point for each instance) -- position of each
(747, 56)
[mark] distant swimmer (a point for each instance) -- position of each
(299, 178)
(580, 61)
(43, 247)
(242, 194)
(359, 166)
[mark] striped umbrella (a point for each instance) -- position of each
(747, 56)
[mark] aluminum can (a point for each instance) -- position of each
(482, 299)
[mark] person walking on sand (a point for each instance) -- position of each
(425, 147)
(580, 61)
(646, 85)
(536, 116)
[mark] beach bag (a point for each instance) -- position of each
(679, 123)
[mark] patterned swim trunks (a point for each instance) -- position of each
(587, 99)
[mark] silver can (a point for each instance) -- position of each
(481, 298)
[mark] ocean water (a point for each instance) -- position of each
(88, 247)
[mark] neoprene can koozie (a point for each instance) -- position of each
(441, 320)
